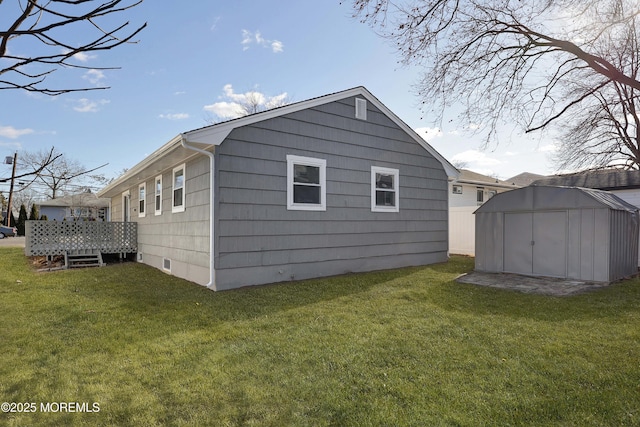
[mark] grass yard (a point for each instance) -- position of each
(395, 348)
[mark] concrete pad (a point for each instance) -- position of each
(530, 285)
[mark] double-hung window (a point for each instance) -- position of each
(158, 195)
(142, 201)
(178, 196)
(385, 192)
(306, 183)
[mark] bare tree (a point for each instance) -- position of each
(537, 63)
(60, 175)
(605, 130)
(34, 45)
(243, 104)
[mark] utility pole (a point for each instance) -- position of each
(13, 177)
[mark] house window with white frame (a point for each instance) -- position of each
(385, 191)
(158, 195)
(142, 199)
(306, 183)
(480, 195)
(178, 190)
(457, 189)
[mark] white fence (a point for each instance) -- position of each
(462, 230)
(59, 237)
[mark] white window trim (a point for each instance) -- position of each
(142, 207)
(396, 190)
(453, 189)
(307, 161)
(180, 208)
(155, 194)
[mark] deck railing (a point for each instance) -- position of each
(60, 237)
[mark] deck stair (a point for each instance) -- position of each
(83, 258)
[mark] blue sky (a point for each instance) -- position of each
(196, 55)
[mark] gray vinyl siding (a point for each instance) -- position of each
(182, 237)
(259, 241)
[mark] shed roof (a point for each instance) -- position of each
(553, 198)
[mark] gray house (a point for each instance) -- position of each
(327, 186)
(565, 232)
(75, 207)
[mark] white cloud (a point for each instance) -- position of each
(214, 25)
(225, 110)
(277, 46)
(94, 76)
(175, 116)
(249, 38)
(476, 158)
(233, 104)
(85, 105)
(81, 56)
(13, 133)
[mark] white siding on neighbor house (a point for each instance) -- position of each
(462, 222)
(469, 194)
(462, 230)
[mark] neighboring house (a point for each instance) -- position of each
(76, 207)
(331, 185)
(466, 193)
(623, 183)
(523, 179)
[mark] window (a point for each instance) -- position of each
(178, 197)
(158, 195)
(480, 196)
(361, 109)
(457, 189)
(141, 199)
(306, 183)
(384, 189)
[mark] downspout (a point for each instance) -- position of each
(212, 271)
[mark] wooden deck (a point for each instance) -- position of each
(64, 237)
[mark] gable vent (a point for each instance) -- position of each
(361, 109)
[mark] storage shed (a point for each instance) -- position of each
(566, 232)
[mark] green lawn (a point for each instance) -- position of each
(394, 348)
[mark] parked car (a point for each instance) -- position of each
(7, 231)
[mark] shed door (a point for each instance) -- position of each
(536, 243)
(518, 234)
